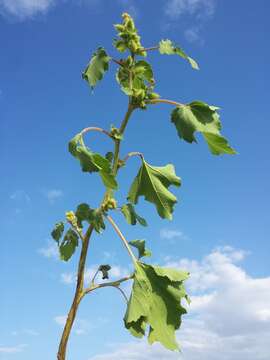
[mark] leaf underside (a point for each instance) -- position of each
(96, 68)
(168, 48)
(198, 116)
(155, 302)
(140, 246)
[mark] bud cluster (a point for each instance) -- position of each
(109, 204)
(129, 38)
(72, 219)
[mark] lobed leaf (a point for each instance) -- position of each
(152, 182)
(140, 246)
(167, 47)
(68, 245)
(155, 301)
(128, 210)
(96, 68)
(201, 117)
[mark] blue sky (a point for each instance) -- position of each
(220, 230)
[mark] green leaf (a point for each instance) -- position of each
(57, 232)
(155, 300)
(201, 117)
(96, 68)
(140, 245)
(105, 271)
(144, 71)
(92, 216)
(92, 162)
(167, 47)
(68, 245)
(128, 210)
(152, 182)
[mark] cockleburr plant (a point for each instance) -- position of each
(155, 305)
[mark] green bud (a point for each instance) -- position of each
(153, 95)
(119, 27)
(120, 45)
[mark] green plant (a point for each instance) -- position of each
(155, 303)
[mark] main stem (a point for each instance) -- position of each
(79, 293)
(61, 355)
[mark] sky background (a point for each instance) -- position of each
(220, 231)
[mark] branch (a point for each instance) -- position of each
(106, 284)
(133, 153)
(124, 240)
(151, 48)
(94, 128)
(164, 101)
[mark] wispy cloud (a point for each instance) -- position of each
(12, 349)
(20, 196)
(229, 309)
(171, 234)
(50, 251)
(22, 9)
(200, 8)
(53, 195)
(198, 11)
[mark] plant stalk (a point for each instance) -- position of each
(79, 293)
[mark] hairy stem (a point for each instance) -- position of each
(164, 101)
(61, 355)
(125, 242)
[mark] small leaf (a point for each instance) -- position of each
(201, 117)
(152, 182)
(128, 210)
(96, 68)
(68, 245)
(92, 216)
(105, 271)
(140, 245)
(168, 48)
(109, 156)
(155, 300)
(57, 232)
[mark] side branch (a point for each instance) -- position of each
(133, 153)
(164, 101)
(94, 128)
(106, 284)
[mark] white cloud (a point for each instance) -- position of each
(53, 195)
(22, 9)
(12, 349)
(176, 8)
(171, 234)
(229, 314)
(51, 251)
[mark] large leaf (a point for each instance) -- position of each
(155, 300)
(152, 182)
(68, 245)
(96, 68)
(201, 117)
(140, 246)
(92, 162)
(167, 47)
(91, 216)
(131, 216)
